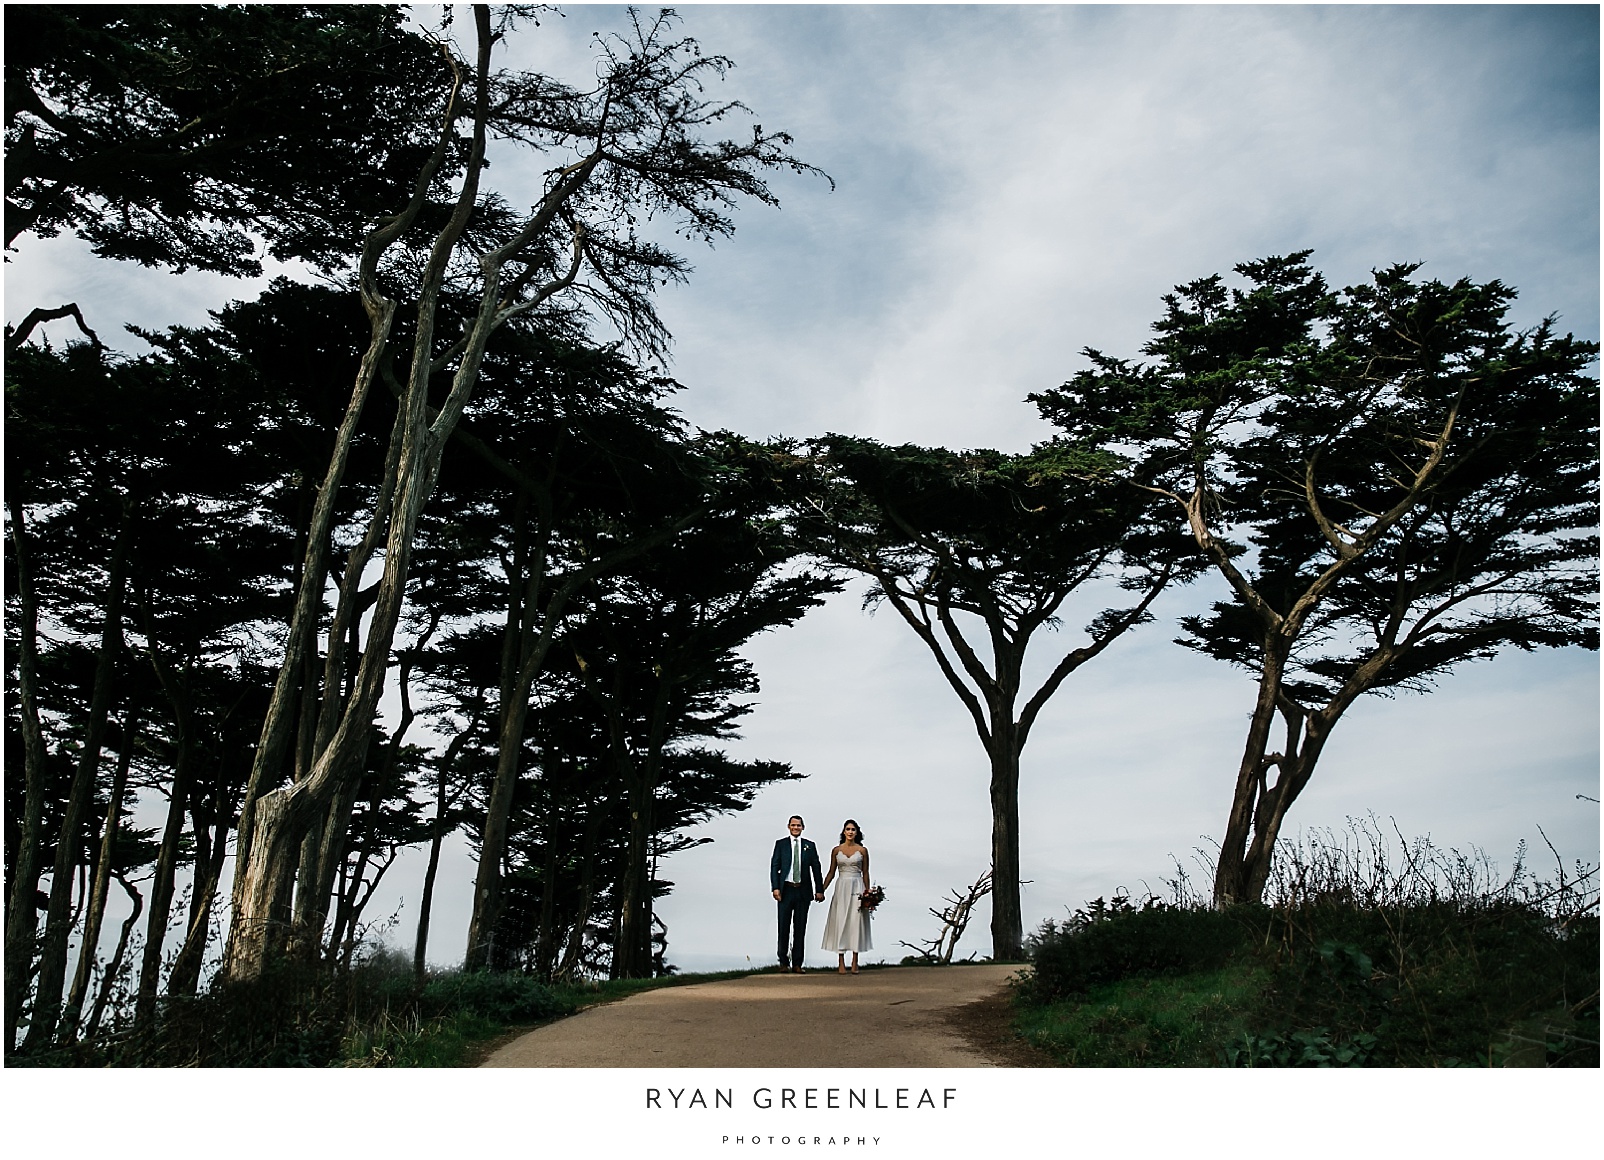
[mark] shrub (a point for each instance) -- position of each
(503, 997)
(1431, 952)
(1442, 982)
(292, 1016)
(1368, 953)
(1104, 942)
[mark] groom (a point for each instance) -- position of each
(797, 880)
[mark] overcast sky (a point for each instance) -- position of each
(1013, 184)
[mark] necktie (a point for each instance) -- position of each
(796, 859)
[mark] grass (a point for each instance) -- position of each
(445, 1041)
(1166, 1021)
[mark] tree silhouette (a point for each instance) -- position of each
(1391, 480)
(180, 135)
(977, 551)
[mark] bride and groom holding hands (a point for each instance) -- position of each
(797, 880)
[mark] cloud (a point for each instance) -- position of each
(1015, 184)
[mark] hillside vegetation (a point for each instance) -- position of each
(1366, 955)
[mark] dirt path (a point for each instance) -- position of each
(895, 1017)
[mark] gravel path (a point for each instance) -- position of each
(894, 1017)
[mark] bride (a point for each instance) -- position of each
(847, 927)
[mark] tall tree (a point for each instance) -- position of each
(631, 147)
(977, 551)
(656, 652)
(182, 467)
(96, 483)
(568, 468)
(1390, 478)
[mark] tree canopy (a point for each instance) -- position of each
(181, 135)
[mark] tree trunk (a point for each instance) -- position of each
(346, 910)
(185, 976)
(493, 844)
(162, 885)
(420, 947)
(437, 839)
(294, 695)
(58, 917)
(635, 910)
(1007, 916)
(22, 914)
(263, 883)
(322, 856)
(114, 967)
(545, 950)
(1307, 735)
(88, 952)
(523, 652)
(574, 953)
(359, 902)
(266, 872)
(1239, 864)
(632, 953)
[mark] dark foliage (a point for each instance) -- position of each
(1434, 983)
(299, 1017)
(503, 997)
(1104, 942)
(171, 134)
(1364, 957)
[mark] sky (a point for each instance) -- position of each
(1012, 185)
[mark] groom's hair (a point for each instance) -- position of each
(794, 818)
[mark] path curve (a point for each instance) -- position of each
(893, 1017)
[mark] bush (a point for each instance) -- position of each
(1368, 953)
(1432, 952)
(1104, 942)
(1439, 983)
(292, 1016)
(502, 997)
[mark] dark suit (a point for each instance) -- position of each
(794, 897)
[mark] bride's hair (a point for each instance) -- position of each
(855, 826)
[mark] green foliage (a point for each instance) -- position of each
(1104, 942)
(1435, 982)
(499, 996)
(407, 1040)
(290, 1017)
(1366, 955)
(1312, 1048)
(403, 1036)
(1176, 1020)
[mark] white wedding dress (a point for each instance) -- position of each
(846, 929)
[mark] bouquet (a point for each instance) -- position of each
(871, 898)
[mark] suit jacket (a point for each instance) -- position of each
(780, 865)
